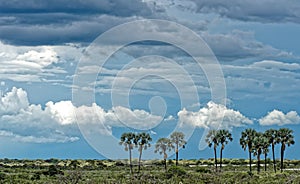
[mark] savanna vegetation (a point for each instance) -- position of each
(218, 169)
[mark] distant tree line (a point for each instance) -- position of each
(257, 143)
(142, 141)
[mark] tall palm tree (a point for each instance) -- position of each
(142, 140)
(246, 140)
(259, 142)
(285, 137)
(223, 136)
(162, 146)
(265, 148)
(212, 139)
(177, 138)
(271, 134)
(127, 139)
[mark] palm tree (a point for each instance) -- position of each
(271, 134)
(246, 140)
(127, 139)
(162, 146)
(265, 148)
(212, 139)
(285, 137)
(177, 138)
(258, 145)
(224, 136)
(142, 140)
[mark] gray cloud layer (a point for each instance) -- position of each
(116, 7)
(266, 11)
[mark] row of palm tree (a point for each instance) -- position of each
(258, 143)
(142, 141)
(216, 137)
(164, 145)
(139, 140)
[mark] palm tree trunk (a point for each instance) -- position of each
(281, 157)
(221, 155)
(258, 162)
(250, 161)
(274, 162)
(216, 162)
(176, 154)
(165, 160)
(265, 161)
(140, 157)
(130, 163)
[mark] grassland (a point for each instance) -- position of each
(117, 171)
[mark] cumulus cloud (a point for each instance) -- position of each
(277, 117)
(13, 101)
(57, 122)
(213, 116)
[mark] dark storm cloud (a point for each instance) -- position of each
(266, 11)
(83, 29)
(112, 7)
(39, 22)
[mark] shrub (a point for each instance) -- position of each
(203, 170)
(175, 171)
(2, 176)
(36, 176)
(170, 162)
(119, 163)
(52, 170)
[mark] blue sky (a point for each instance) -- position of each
(60, 101)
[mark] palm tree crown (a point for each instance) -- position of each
(246, 140)
(162, 146)
(212, 139)
(271, 134)
(223, 136)
(285, 137)
(177, 138)
(142, 141)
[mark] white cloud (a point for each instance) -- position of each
(56, 122)
(277, 117)
(35, 63)
(213, 116)
(62, 112)
(270, 64)
(14, 101)
(169, 118)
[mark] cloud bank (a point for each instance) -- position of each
(277, 117)
(56, 122)
(213, 116)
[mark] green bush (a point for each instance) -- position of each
(2, 176)
(203, 170)
(175, 171)
(52, 170)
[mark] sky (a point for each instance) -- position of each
(75, 75)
